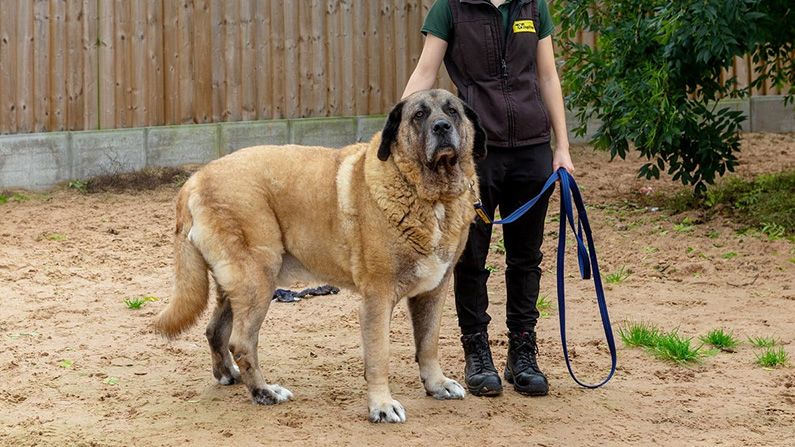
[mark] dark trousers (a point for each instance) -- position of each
(508, 179)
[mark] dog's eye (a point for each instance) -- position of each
(452, 111)
(419, 115)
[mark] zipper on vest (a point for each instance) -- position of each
(516, 8)
(513, 15)
(503, 49)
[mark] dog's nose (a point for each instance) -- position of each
(441, 126)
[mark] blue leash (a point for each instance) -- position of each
(585, 257)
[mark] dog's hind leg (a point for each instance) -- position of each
(249, 286)
(218, 331)
(426, 313)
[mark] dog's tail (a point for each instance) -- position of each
(191, 284)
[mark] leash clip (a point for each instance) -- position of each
(481, 212)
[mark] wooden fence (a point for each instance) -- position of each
(103, 64)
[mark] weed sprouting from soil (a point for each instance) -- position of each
(544, 305)
(720, 339)
(664, 345)
(674, 347)
(618, 277)
(772, 358)
(137, 302)
(642, 334)
(762, 341)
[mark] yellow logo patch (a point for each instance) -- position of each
(524, 26)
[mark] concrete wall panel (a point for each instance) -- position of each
(97, 153)
(236, 136)
(34, 162)
(179, 145)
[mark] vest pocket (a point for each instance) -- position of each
(489, 38)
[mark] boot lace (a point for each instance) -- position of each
(480, 353)
(526, 351)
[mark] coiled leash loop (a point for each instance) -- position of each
(570, 197)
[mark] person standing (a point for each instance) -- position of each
(500, 56)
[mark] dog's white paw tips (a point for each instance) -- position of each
(388, 412)
(283, 393)
(271, 395)
(447, 389)
(226, 381)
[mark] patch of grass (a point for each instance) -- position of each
(492, 268)
(78, 185)
(543, 302)
(714, 234)
(720, 339)
(773, 230)
(729, 255)
(136, 302)
(642, 334)
(56, 237)
(684, 226)
(499, 247)
(65, 364)
(772, 358)
(15, 197)
(664, 345)
(762, 342)
(618, 277)
(544, 305)
(671, 346)
(765, 203)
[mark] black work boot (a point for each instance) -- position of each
(482, 378)
(521, 369)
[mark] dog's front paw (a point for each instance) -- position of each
(391, 412)
(271, 395)
(446, 389)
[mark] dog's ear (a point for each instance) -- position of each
(479, 151)
(390, 132)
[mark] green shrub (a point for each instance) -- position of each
(655, 75)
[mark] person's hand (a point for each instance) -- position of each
(562, 159)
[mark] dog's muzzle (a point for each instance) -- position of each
(443, 150)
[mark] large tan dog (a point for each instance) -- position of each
(387, 218)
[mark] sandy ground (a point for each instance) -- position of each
(78, 368)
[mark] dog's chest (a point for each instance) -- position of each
(430, 269)
(428, 274)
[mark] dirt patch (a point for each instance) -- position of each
(81, 369)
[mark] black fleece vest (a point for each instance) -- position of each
(495, 70)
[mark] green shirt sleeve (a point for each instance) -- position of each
(439, 20)
(546, 27)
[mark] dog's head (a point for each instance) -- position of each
(437, 122)
(436, 133)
